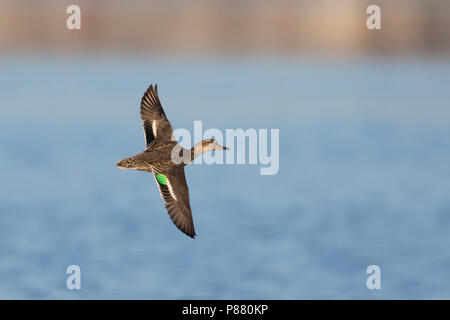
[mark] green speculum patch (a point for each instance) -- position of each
(161, 178)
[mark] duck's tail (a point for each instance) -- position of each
(127, 163)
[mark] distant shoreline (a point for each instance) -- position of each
(213, 27)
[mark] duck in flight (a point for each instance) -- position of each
(157, 158)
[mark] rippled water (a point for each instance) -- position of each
(364, 179)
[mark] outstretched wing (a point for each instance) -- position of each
(155, 123)
(175, 193)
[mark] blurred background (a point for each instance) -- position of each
(251, 27)
(364, 150)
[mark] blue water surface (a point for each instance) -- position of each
(364, 179)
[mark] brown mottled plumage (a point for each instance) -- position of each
(157, 158)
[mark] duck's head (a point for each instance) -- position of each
(211, 144)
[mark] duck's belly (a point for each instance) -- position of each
(160, 158)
